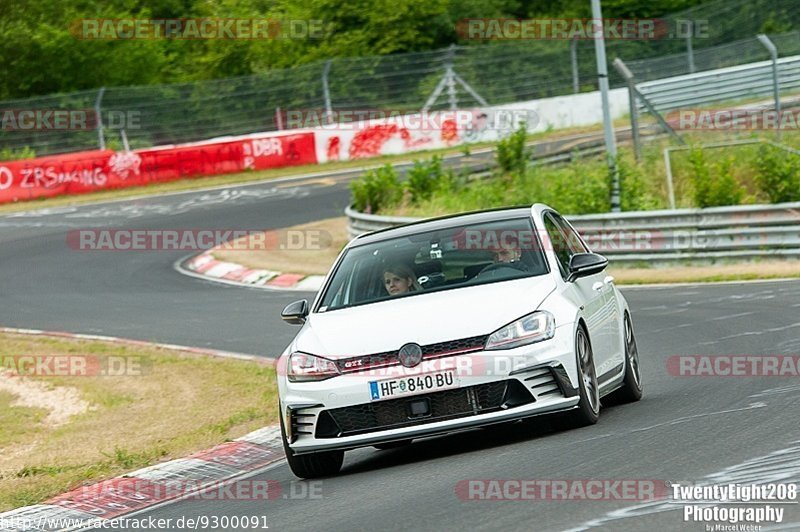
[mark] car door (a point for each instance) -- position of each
(611, 317)
(586, 291)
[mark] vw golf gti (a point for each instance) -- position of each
(449, 324)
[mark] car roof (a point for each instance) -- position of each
(442, 222)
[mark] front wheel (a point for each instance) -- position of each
(313, 465)
(588, 411)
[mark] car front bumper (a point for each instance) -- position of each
(545, 371)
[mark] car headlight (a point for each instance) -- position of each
(304, 367)
(527, 330)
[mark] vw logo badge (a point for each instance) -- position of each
(410, 355)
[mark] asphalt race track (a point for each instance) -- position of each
(685, 430)
(138, 294)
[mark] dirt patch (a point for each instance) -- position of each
(60, 401)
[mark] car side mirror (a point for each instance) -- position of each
(584, 264)
(295, 313)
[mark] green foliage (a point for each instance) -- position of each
(582, 187)
(635, 194)
(41, 55)
(703, 178)
(377, 189)
(778, 174)
(776, 24)
(726, 190)
(422, 179)
(9, 154)
(425, 178)
(511, 155)
(639, 8)
(713, 186)
(700, 176)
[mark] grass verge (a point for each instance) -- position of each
(167, 405)
(745, 271)
(333, 238)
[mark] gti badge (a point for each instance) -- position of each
(410, 355)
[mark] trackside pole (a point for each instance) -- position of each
(608, 127)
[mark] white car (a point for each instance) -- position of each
(449, 324)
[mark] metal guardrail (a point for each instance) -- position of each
(728, 84)
(359, 223)
(711, 234)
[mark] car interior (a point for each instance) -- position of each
(439, 261)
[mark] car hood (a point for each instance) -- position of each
(424, 319)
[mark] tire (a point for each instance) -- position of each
(392, 445)
(314, 465)
(588, 411)
(631, 390)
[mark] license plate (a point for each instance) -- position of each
(412, 385)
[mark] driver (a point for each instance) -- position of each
(507, 253)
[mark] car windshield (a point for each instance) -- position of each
(438, 260)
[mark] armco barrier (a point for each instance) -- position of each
(720, 85)
(359, 223)
(712, 234)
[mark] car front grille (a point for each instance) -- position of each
(390, 358)
(447, 404)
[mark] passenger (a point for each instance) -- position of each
(399, 279)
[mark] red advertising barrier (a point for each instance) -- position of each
(53, 176)
(90, 171)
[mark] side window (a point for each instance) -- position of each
(573, 240)
(560, 247)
